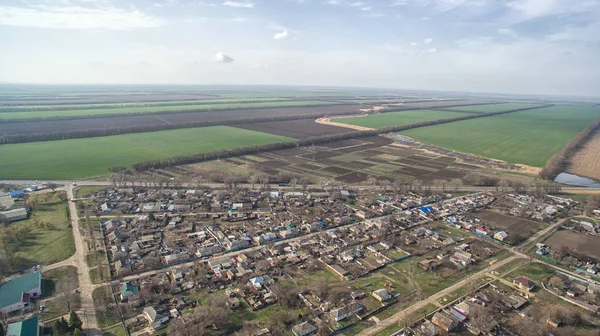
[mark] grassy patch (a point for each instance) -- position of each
(53, 308)
(398, 118)
(106, 317)
(116, 330)
(155, 109)
(225, 167)
(95, 277)
(47, 244)
(50, 278)
(87, 191)
(534, 271)
(520, 137)
(79, 158)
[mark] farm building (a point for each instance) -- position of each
(461, 258)
(16, 293)
(27, 327)
(524, 283)
(14, 215)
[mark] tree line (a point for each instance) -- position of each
(311, 141)
(560, 162)
(191, 110)
(73, 107)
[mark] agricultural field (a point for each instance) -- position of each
(398, 118)
(347, 161)
(490, 108)
(303, 128)
(521, 137)
(81, 158)
(153, 109)
(518, 229)
(59, 106)
(578, 242)
(586, 161)
(45, 237)
(54, 126)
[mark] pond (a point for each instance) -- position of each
(574, 180)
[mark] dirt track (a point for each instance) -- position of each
(586, 162)
(327, 121)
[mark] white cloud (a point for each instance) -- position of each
(356, 4)
(431, 51)
(259, 66)
(238, 4)
(531, 9)
(412, 44)
(428, 40)
(76, 17)
(334, 2)
(222, 58)
(366, 8)
(509, 32)
(282, 35)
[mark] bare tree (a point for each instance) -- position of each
(65, 293)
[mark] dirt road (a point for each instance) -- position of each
(88, 312)
(327, 121)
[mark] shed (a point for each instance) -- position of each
(27, 327)
(14, 215)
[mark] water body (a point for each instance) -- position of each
(574, 180)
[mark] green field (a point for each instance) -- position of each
(528, 137)
(91, 106)
(44, 244)
(398, 118)
(80, 158)
(166, 109)
(490, 108)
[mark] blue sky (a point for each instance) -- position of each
(514, 46)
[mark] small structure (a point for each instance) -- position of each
(382, 295)
(16, 293)
(233, 303)
(444, 321)
(129, 291)
(257, 282)
(14, 215)
(17, 194)
(461, 258)
(304, 328)
(27, 327)
(501, 236)
(155, 319)
(524, 283)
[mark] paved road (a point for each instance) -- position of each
(88, 312)
(565, 189)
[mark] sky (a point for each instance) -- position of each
(509, 46)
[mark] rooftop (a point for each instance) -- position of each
(12, 290)
(28, 327)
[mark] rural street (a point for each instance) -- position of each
(565, 188)
(88, 311)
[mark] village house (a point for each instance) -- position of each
(129, 292)
(462, 258)
(304, 328)
(501, 236)
(382, 295)
(524, 283)
(445, 321)
(155, 319)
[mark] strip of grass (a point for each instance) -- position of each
(528, 137)
(44, 244)
(116, 330)
(150, 109)
(398, 118)
(50, 278)
(106, 317)
(490, 108)
(81, 158)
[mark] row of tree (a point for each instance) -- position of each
(76, 107)
(311, 141)
(112, 115)
(559, 162)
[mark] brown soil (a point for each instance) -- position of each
(586, 162)
(582, 243)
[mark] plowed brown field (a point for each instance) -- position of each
(586, 162)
